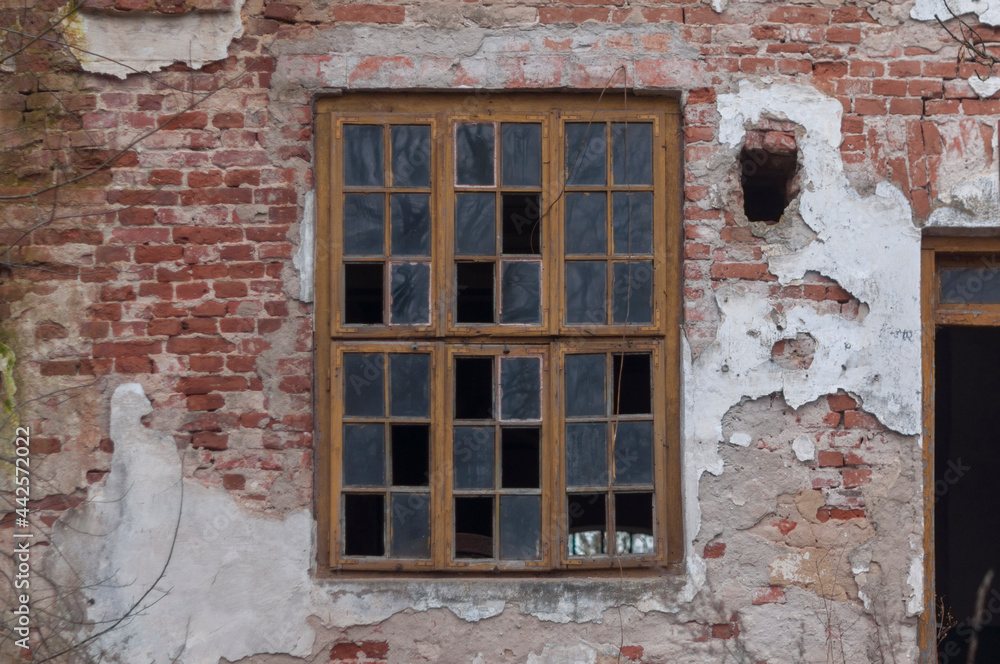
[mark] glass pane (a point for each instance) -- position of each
(474, 527)
(410, 454)
(411, 288)
(474, 459)
(521, 155)
(520, 388)
(474, 154)
(522, 226)
(586, 292)
(364, 454)
(363, 385)
(586, 223)
(520, 290)
(632, 386)
(633, 287)
(971, 285)
(474, 388)
(364, 524)
(586, 453)
(411, 155)
(588, 523)
(520, 527)
(411, 224)
(519, 457)
(586, 153)
(586, 385)
(411, 525)
(633, 452)
(363, 155)
(632, 152)
(633, 222)
(474, 299)
(475, 224)
(364, 224)
(409, 384)
(634, 523)
(363, 294)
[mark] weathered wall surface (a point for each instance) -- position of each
(178, 314)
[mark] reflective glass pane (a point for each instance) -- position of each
(411, 155)
(520, 290)
(632, 152)
(474, 154)
(409, 384)
(586, 223)
(519, 457)
(363, 156)
(586, 385)
(633, 287)
(971, 285)
(411, 525)
(473, 457)
(586, 153)
(522, 225)
(474, 297)
(633, 452)
(521, 155)
(588, 524)
(411, 224)
(586, 453)
(364, 524)
(520, 527)
(410, 304)
(363, 294)
(474, 527)
(410, 444)
(364, 454)
(364, 224)
(633, 222)
(475, 224)
(363, 385)
(634, 523)
(474, 388)
(586, 292)
(520, 388)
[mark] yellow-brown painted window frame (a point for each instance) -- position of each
(443, 338)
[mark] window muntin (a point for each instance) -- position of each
(511, 259)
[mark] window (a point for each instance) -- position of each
(497, 326)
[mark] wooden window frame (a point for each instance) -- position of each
(444, 338)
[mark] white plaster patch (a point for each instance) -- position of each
(304, 259)
(740, 439)
(120, 45)
(915, 579)
(985, 87)
(804, 448)
(988, 11)
(974, 204)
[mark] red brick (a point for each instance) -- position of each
(839, 35)
(233, 481)
(906, 106)
(59, 368)
(770, 595)
(127, 348)
(205, 235)
(632, 652)
(806, 15)
(723, 631)
(206, 363)
(228, 289)
(869, 106)
(238, 177)
(202, 179)
(206, 384)
(210, 440)
(754, 271)
(145, 253)
(856, 419)
(193, 345)
(904, 68)
(926, 89)
(714, 550)
(855, 477)
(830, 69)
(192, 120)
(841, 402)
(881, 86)
(158, 177)
(369, 13)
(134, 365)
(228, 120)
(205, 402)
(831, 459)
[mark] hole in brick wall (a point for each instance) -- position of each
(768, 166)
(794, 353)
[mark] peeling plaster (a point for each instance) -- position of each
(930, 10)
(304, 259)
(137, 42)
(985, 87)
(804, 448)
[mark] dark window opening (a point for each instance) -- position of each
(363, 294)
(767, 184)
(588, 523)
(475, 292)
(632, 387)
(519, 458)
(473, 388)
(522, 226)
(410, 454)
(474, 527)
(364, 516)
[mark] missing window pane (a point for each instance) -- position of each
(363, 304)
(522, 226)
(364, 524)
(588, 524)
(410, 454)
(632, 385)
(474, 388)
(474, 527)
(519, 455)
(634, 523)
(474, 300)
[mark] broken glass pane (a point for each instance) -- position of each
(633, 287)
(411, 155)
(586, 153)
(520, 288)
(474, 527)
(474, 299)
(409, 384)
(411, 224)
(363, 294)
(364, 524)
(522, 226)
(411, 284)
(473, 457)
(520, 388)
(634, 523)
(475, 224)
(363, 156)
(364, 454)
(411, 525)
(364, 224)
(473, 388)
(632, 386)
(586, 292)
(586, 385)
(633, 222)
(633, 452)
(588, 524)
(586, 453)
(521, 155)
(586, 223)
(632, 152)
(363, 385)
(410, 454)
(520, 527)
(519, 457)
(474, 154)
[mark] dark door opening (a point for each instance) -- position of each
(967, 488)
